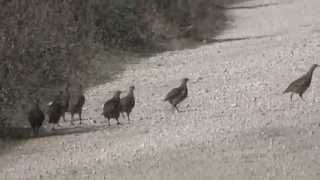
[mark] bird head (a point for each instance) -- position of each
(36, 100)
(131, 88)
(117, 93)
(185, 80)
(313, 67)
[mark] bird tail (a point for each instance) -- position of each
(285, 91)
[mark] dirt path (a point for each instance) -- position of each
(236, 124)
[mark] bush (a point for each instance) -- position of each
(43, 44)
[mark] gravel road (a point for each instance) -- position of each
(236, 123)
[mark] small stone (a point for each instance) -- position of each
(199, 78)
(234, 105)
(316, 100)
(225, 70)
(292, 53)
(98, 160)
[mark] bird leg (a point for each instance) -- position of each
(72, 119)
(172, 109)
(300, 95)
(53, 127)
(38, 130)
(177, 109)
(64, 117)
(291, 96)
(118, 122)
(80, 117)
(33, 134)
(128, 115)
(109, 122)
(305, 102)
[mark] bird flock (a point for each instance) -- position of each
(113, 107)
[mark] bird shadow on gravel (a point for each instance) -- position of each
(24, 133)
(253, 6)
(289, 136)
(240, 38)
(71, 131)
(21, 133)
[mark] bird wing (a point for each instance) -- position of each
(31, 115)
(76, 101)
(65, 99)
(123, 104)
(55, 108)
(42, 116)
(36, 115)
(109, 106)
(298, 83)
(80, 100)
(123, 100)
(127, 102)
(172, 94)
